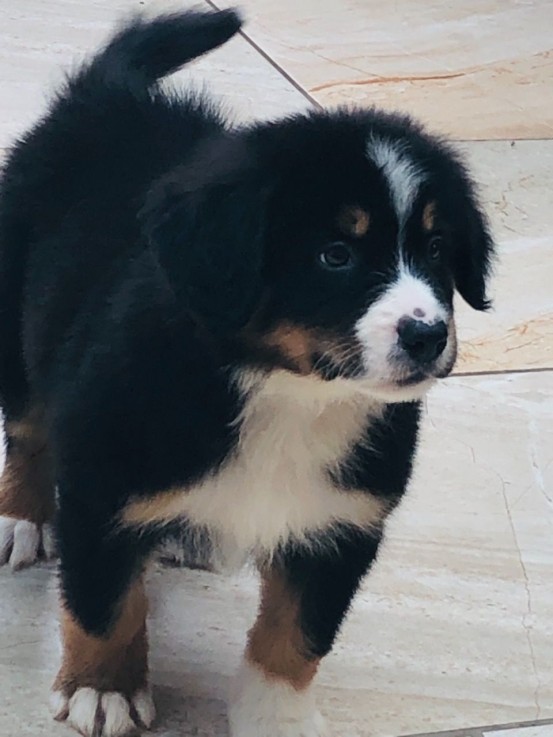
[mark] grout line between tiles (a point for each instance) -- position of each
(502, 372)
(512, 139)
(313, 100)
(483, 731)
(273, 63)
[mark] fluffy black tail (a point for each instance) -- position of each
(146, 50)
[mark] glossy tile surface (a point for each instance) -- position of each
(518, 332)
(476, 69)
(541, 728)
(40, 39)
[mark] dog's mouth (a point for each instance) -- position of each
(418, 376)
(409, 385)
(354, 371)
(415, 378)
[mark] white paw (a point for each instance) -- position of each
(262, 707)
(22, 542)
(108, 714)
(143, 704)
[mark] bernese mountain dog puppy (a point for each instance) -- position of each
(220, 330)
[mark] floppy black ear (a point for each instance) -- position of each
(210, 241)
(473, 253)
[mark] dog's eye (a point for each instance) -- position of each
(435, 247)
(336, 256)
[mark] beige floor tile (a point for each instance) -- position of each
(41, 39)
(473, 69)
(518, 333)
(454, 628)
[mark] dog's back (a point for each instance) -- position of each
(72, 186)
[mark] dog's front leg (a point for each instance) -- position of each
(305, 596)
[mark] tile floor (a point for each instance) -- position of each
(455, 627)
(538, 729)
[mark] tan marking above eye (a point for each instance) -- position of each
(354, 221)
(429, 216)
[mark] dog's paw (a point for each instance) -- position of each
(262, 707)
(22, 543)
(107, 714)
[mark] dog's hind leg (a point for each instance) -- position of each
(102, 687)
(27, 498)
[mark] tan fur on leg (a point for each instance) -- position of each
(272, 693)
(27, 484)
(117, 662)
(101, 689)
(27, 498)
(276, 643)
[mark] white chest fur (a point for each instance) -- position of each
(276, 485)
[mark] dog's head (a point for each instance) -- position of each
(329, 245)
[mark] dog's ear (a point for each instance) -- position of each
(472, 244)
(209, 239)
(473, 253)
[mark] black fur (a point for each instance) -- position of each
(326, 582)
(144, 241)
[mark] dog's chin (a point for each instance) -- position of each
(398, 391)
(408, 387)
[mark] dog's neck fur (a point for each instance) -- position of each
(278, 485)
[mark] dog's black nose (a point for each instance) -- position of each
(422, 342)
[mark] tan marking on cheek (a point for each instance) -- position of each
(429, 216)
(27, 482)
(345, 353)
(295, 342)
(276, 643)
(116, 662)
(354, 221)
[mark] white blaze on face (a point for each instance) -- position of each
(408, 295)
(376, 330)
(403, 176)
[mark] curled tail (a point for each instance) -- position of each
(145, 50)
